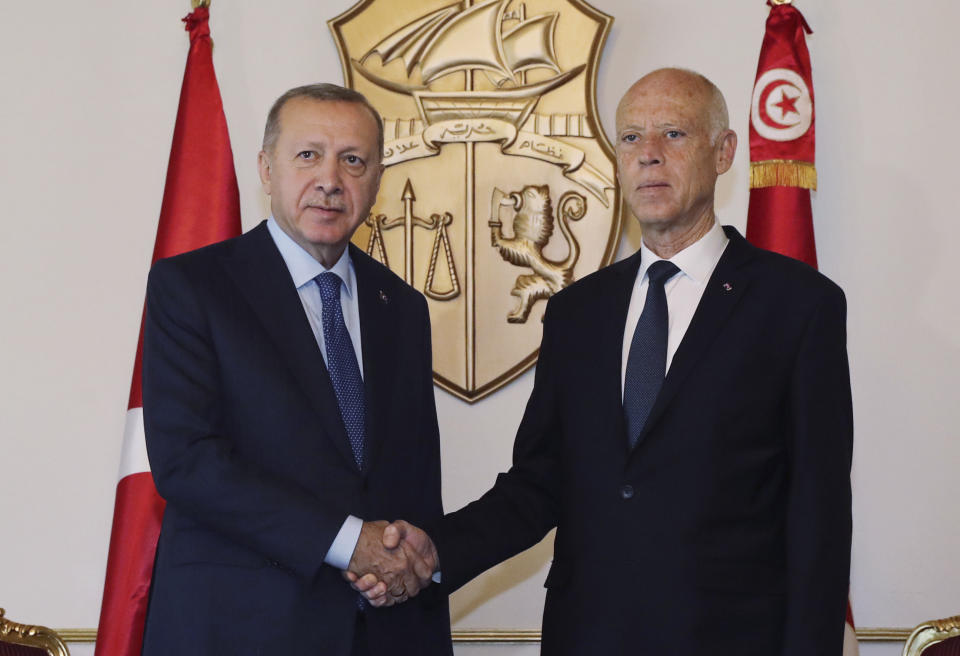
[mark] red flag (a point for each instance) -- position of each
(201, 205)
(782, 145)
(782, 169)
(850, 645)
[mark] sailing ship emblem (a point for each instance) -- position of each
(434, 44)
(477, 96)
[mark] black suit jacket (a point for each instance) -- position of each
(247, 446)
(727, 529)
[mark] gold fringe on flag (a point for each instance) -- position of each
(783, 173)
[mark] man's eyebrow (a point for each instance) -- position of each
(316, 145)
(655, 126)
(312, 145)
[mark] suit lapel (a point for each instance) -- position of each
(610, 365)
(262, 276)
(375, 292)
(724, 290)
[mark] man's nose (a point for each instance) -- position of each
(650, 153)
(327, 176)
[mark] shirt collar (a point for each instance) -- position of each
(697, 260)
(303, 267)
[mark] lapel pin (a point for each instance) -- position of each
(383, 297)
(727, 287)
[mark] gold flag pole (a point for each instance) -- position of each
(196, 4)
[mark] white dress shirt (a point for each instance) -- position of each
(303, 269)
(684, 290)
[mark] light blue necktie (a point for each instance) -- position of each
(342, 364)
(647, 361)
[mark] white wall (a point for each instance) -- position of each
(90, 94)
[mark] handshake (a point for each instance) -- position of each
(391, 562)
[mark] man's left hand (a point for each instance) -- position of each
(418, 552)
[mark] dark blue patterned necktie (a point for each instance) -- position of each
(647, 362)
(342, 364)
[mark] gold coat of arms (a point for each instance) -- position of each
(499, 184)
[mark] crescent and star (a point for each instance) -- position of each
(787, 104)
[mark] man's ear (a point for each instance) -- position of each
(726, 149)
(263, 166)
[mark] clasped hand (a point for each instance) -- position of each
(391, 562)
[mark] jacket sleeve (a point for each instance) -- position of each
(195, 467)
(431, 488)
(818, 522)
(523, 504)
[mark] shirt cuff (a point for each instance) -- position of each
(341, 551)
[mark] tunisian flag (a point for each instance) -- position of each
(782, 144)
(782, 140)
(201, 205)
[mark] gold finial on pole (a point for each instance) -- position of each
(200, 3)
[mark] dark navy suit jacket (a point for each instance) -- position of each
(247, 446)
(727, 529)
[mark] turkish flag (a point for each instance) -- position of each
(201, 205)
(782, 140)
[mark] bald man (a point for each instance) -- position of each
(689, 433)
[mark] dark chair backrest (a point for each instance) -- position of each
(949, 647)
(7, 649)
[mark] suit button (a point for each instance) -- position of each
(626, 492)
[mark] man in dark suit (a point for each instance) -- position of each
(288, 394)
(707, 510)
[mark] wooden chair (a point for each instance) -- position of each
(935, 638)
(26, 640)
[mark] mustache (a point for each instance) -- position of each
(325, 203)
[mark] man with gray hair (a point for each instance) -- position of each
(280, 415)
(689, 433)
